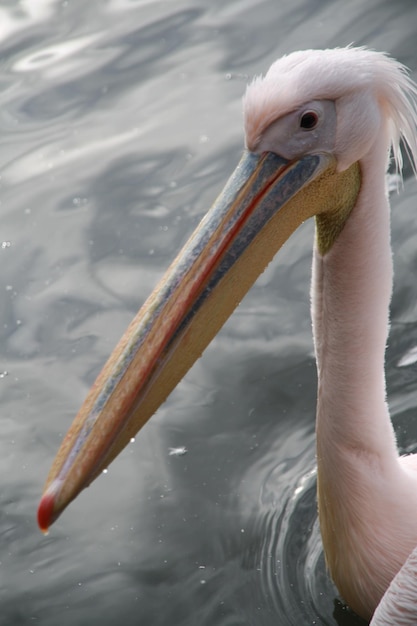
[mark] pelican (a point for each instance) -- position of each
(319, 129)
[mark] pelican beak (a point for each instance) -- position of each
(264, 201)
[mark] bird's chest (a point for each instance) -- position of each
(368, 528)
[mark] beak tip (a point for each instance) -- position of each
(47, 513)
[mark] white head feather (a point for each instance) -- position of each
(357, 79)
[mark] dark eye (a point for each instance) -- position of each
(309, 120)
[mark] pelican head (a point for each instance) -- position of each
(319, 127)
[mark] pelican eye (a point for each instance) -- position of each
(309, 120)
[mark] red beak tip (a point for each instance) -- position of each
(46, 510)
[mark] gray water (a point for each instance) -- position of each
(119, 123)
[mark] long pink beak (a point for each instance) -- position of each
(264, 201)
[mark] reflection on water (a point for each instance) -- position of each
(120, 121)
